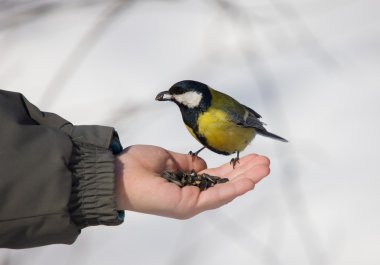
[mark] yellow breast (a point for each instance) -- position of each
(221, 134)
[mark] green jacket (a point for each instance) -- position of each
(55, 178)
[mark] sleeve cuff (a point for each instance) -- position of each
(92, 199)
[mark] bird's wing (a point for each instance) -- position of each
(254, 113)
(248, 118)
(239, 114)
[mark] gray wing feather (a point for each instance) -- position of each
(254, 113)
(251, 120)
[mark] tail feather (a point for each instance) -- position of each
(271, 135)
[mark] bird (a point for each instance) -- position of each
(218, 121)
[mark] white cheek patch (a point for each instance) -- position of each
(190, 99)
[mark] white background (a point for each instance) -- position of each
(310, 68)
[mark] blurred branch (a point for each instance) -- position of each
(306, 36)
(17, 12)
(81, 50)
(14, 13)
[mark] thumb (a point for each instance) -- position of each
(189, 162)
(198, 164)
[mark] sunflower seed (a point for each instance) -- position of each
(202, 181)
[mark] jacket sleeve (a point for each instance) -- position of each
(55, 178)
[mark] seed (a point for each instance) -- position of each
(203, 185)
(202, 181)
(210, 178)
(222, 180)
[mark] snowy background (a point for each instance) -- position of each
(311, 68)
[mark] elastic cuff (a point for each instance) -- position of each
(92, 199)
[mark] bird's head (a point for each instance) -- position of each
(187, 94)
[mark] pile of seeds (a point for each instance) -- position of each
(202, 181)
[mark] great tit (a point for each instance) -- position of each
(216, 120)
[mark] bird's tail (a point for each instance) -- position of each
(271, 135)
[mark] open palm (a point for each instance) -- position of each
(139, 187)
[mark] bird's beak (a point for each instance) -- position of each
(164, 96)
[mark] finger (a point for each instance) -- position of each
(257, 173)
(254, 167)
(253, 160)
(227, 170)
(221, 171)
(197, 163)
(246, 162)
(222, 194)
(187, 162)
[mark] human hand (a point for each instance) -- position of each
(139, 187)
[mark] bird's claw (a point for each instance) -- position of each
(193, 155)
(234, 161)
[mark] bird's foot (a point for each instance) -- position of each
(234, 161)
(195, 155)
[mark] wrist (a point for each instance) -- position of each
(119, 184)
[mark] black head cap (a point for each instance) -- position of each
(188, 85)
